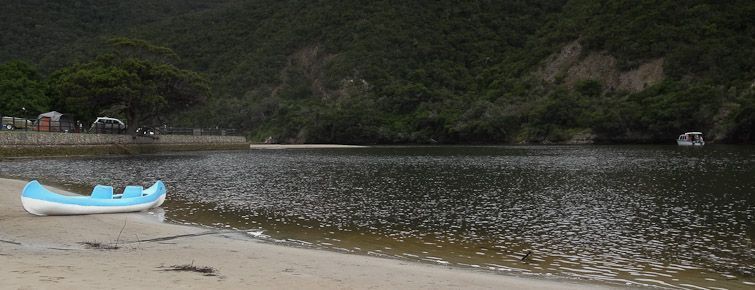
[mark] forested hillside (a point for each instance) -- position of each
(427, 71)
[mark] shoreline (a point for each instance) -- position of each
(48, 252)
(303, 146)
(15, 151)
(105, 150)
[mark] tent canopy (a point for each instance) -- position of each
(54, 116)
(54, 122)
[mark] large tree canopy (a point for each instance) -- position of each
(135, 80)
(22, 91)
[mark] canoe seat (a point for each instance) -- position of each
(102, 192)
(132, 191)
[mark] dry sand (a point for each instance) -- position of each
(46, 253)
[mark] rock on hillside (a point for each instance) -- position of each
(572, 64)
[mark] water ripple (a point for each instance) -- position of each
(638, 215)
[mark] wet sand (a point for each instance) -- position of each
(47, 253)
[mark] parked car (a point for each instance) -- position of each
(107, 125)
(12, 123)
(147, 132)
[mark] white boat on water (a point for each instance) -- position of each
(690, 139)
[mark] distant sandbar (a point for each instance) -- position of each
(303, 146)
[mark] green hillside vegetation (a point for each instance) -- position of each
(434, 72)
(21, 89)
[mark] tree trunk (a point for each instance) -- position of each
(132, 121)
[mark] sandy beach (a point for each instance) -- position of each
(47, 253)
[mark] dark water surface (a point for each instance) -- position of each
(655, 215)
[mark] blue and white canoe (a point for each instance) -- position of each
(39, 201)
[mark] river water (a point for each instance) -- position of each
(639, 215)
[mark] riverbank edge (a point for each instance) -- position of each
(109, 149)
(262, 146)
(50, 252)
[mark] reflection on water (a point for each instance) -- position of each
(655, 215)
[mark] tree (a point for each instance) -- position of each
(22, 91)
(135, 80)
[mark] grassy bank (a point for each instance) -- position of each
(111, 149)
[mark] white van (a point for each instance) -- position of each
(107, 125)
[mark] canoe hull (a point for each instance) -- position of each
(38, 200)
(43, 207)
